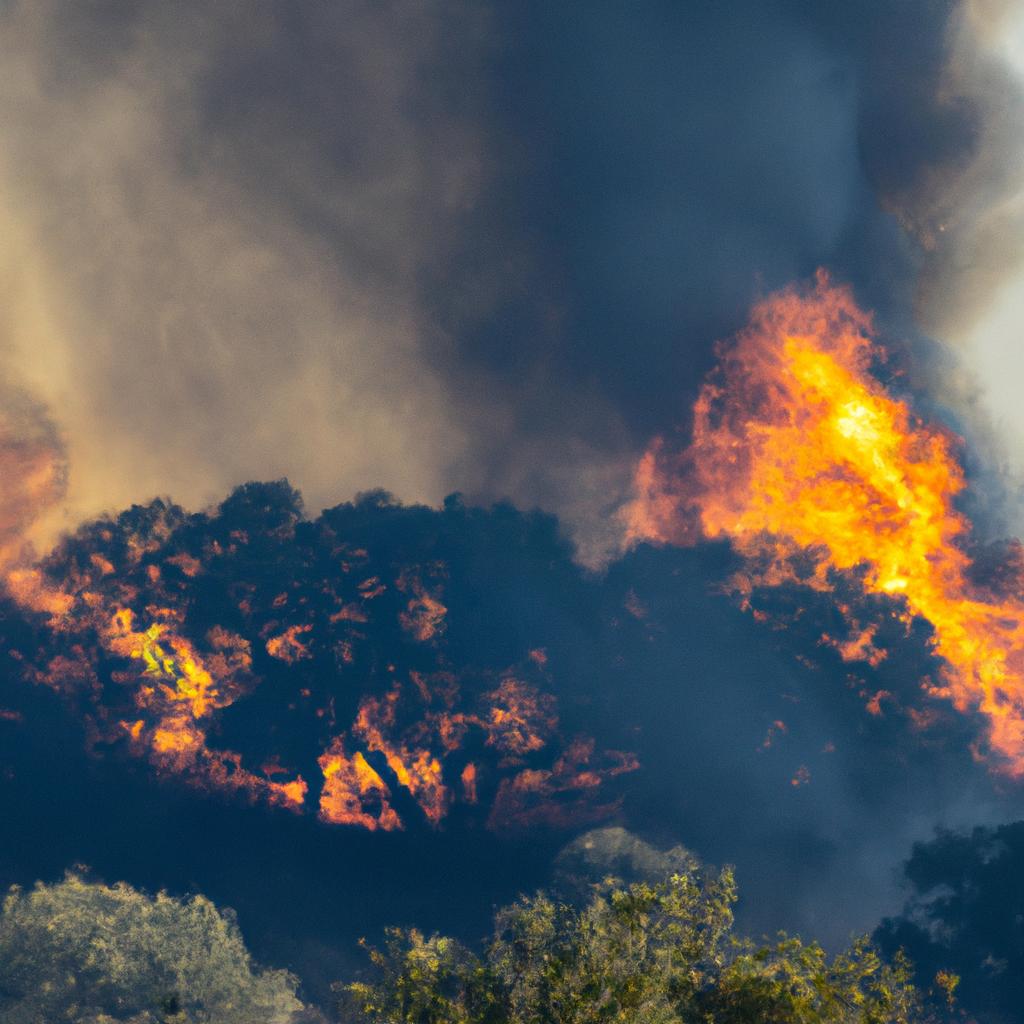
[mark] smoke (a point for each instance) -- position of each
(964, 914)
(32, 470)
(431, 247)
(425, 246)
(214, 224)
(966, 210)
(961, 199)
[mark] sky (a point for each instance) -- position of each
(462, 273)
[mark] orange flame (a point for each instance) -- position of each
(405, 743)
(424, 615)
(417, 769)
(289, 646)
(798, 453)
(350, 783)
(176, 691)
(118, 646)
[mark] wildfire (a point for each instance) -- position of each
(421, 755)
(312, 630)
(801, 458)
(417, 769)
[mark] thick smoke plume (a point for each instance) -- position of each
(212, 244)
(958, 191)
(963, 202)
(407, 245)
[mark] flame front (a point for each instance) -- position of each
(799, 455)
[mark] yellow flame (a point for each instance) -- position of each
(798, 450)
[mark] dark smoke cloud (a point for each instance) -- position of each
(431, 246)
(684, 160)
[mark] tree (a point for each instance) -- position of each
(656, 953)
(83, 953)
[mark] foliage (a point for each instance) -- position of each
(793, 983)
(658, 953)
(83, 953)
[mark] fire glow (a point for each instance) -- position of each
(800, 457)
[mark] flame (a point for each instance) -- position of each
(515, 719)
(520, 718)
(799, 456)
(417, 769)
(114, 611)
(860, 645)
(350, 783)
(118, 638)
(559, 796)
(288, 646)
(31, 590)
(424, 615)
(468, 779)
(178, 693)
(175, 691)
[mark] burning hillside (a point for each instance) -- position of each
(253, 652)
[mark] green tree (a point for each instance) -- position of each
(643, 953)
(790, 982)
(83, 953)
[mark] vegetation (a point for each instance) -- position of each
(637, 954)
(82, 953)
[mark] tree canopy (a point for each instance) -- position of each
(657, 953)
(83, 953)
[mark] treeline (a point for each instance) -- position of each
(638, 952)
